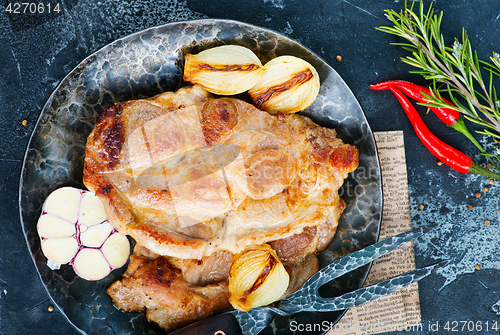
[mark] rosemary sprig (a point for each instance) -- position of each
(455, 69)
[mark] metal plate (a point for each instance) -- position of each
(145, 64)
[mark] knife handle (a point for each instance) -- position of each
(224, 324)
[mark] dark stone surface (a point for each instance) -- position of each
(38, 50)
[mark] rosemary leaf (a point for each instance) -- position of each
(456, 68)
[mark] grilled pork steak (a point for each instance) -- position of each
(285, 177)
(194, 180)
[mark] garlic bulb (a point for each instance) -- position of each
(73, 229)
(289, 85)
(257, 278)
(227, 70)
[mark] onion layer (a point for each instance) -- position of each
(289, 85)
(257, 278)
(226, 70)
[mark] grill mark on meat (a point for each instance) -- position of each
(218, 118)
(321, 154)
(344, 156)
(164, 273)
(104, 187)
(157, 235)
(146, 142)
(113, 134)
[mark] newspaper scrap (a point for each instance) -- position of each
(400, 310)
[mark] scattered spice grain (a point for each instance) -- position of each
(478, 267)
(338, 58)
(487, 223)
(470, 207)
(25, 123)
(51, 308)
(478, 195)
(486, 188)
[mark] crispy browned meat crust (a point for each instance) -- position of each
(159, 287)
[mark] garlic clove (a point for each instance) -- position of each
(116, 250)
(64, 203)
(91, 211)
(51, 226)
(90, 264)
(60, 249)
(95, 236)
(289, 85)
(226, 70)
(256, 278)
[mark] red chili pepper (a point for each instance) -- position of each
(416, 92)
(449, 116)
(447, 154)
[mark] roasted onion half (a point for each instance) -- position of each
(257, 278)
(225, 70)
(289, 85)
